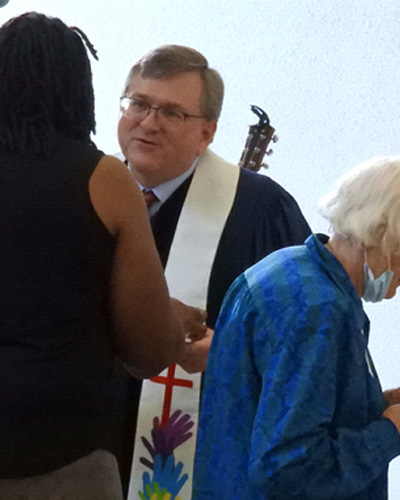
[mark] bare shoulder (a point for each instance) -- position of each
(114, 192)
(112, 170)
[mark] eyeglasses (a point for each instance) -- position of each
(136, 109)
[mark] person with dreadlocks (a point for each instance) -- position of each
(81, 283)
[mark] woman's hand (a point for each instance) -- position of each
(195, 354)
(192, 319)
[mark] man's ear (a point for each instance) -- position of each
(207, 135)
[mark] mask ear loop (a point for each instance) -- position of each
(367, 266)
(366, 262)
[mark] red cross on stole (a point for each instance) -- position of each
(170, 381)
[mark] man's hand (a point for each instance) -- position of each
(192, 319)
(195, 354)
(393, 413)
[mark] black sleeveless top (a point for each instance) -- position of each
(59, 397)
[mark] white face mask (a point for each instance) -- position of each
(375, 289)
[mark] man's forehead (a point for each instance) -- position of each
(180, 90)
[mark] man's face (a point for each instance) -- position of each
(158, 153)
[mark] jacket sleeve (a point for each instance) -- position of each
(297, 446)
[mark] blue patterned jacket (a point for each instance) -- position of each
(292, 404)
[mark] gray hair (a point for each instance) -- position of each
(365, 206)
(170, 60)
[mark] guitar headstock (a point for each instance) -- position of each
(258, 139)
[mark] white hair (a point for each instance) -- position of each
(365, 206)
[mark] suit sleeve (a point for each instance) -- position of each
(269, 218)
(291, 226)
(283, 223)
(264, 218)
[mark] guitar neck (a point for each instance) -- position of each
(258, 139)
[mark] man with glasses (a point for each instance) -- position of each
(211, 220)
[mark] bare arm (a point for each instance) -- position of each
(149, 336)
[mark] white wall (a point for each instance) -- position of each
(326, 71)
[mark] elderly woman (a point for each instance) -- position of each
(292, 405)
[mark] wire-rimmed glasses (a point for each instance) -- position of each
(136, 109)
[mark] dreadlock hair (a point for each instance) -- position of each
(45, 83)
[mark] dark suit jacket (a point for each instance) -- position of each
(264, 218)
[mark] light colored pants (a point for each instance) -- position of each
(93, 477)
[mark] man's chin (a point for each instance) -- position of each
(143, 162)
(145, 172)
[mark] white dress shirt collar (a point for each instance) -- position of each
(163, 191)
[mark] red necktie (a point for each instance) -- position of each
(149, 197)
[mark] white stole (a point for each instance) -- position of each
(202, 220)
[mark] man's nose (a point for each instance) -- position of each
(150, 120)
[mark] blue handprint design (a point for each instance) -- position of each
(166, 475)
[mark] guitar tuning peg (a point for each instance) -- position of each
(275, 138)
(269, 152)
